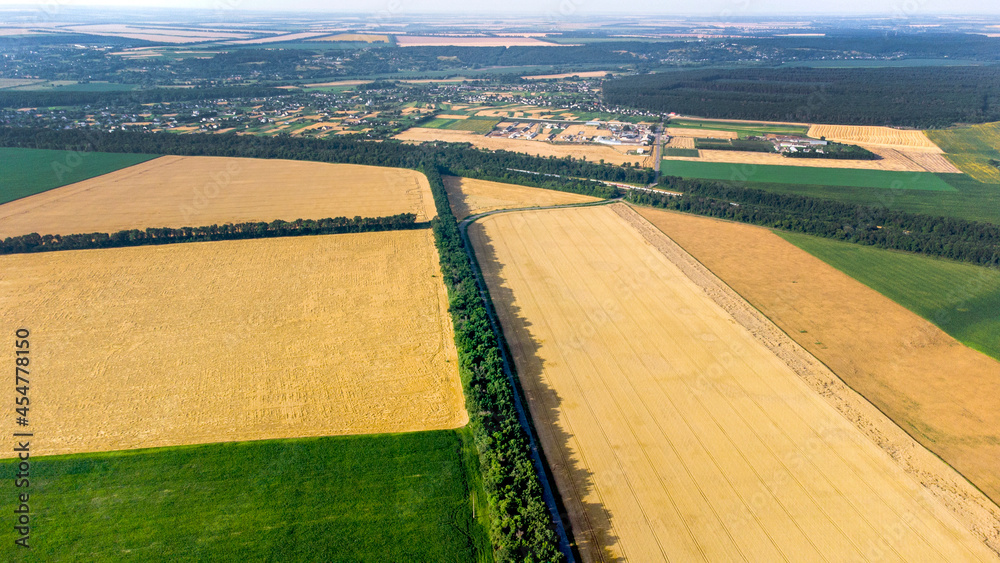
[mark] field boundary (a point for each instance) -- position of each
(35, 243)
(962, 498)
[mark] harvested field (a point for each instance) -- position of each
(158, 34)
(941, 392)
(277, 38)
(470, 197)
(594, 153)
(238, 340)
(361, 37)
(680, 143)
(586, 74)
(465, 41)
(873, 135)
(700, 133)
(191, 191)
(674, 433)
(929, 161)
(891, 160)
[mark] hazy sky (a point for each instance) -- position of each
(714, 8)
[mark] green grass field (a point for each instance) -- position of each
(742, 129)
(481, 125)
(399, 497)
(681, 152)
(806, 175)
(962, 299)
(25, 172)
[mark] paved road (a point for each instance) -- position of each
(657, 157)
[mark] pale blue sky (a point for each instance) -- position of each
(713, 8)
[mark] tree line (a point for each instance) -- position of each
(229, 231)
(522, 529)
(29, 98)
(453, 156)
(923, 97)
(957, 239)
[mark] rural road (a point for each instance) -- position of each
(657, 158)
(508, 362)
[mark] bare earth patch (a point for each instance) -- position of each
(238, 340)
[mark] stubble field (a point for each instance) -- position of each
(673, 432)
(941, 392)
(240, 340)
(470, 197)
(873, 135)
(178, 191)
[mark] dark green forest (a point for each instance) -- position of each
(925, 97)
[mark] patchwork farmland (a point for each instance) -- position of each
(670, 427)
(178, 191)
(939, 391)
(593, 153)
(238, 340)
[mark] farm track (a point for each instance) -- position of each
(594, 544)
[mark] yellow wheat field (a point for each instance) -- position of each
(584, 74)
(470, 197)
(700, 133)
(680, 143)
(179, 191)
(674, 434)
(873, 135)
(940, 391)
(365, 37)
(593, 153)
(238, 340)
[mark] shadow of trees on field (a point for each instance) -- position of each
(590, 527)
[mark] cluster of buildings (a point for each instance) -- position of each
(791, 143)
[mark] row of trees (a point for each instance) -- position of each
(453, 156)
(29, 98)
(230, 231)
(952, 238)
(522, 529)
(924, 97)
